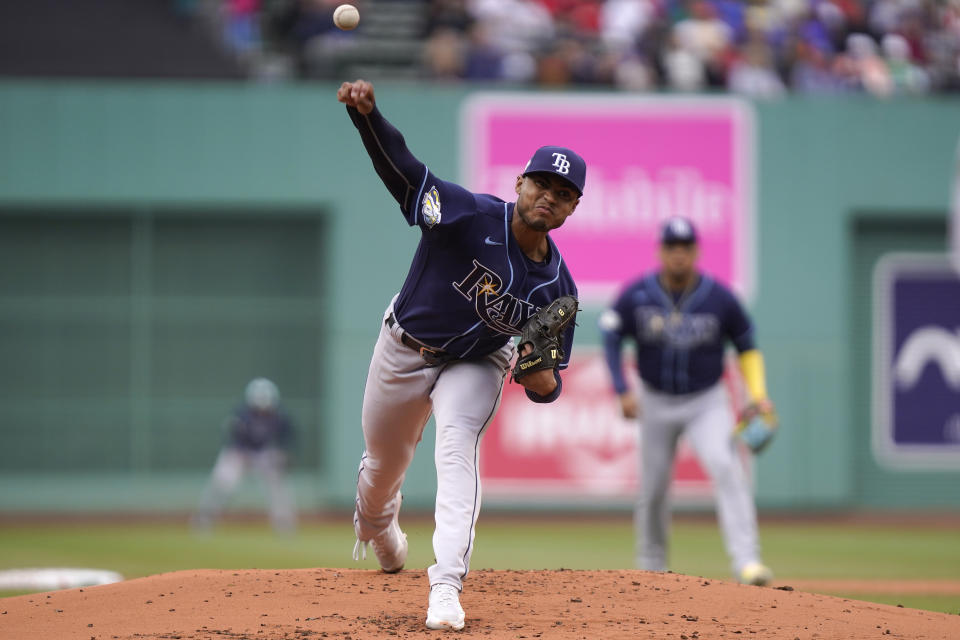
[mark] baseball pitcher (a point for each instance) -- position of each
(485, 270)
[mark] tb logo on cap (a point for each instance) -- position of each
(561, 163)
(680, 227)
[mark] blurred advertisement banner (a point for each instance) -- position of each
(579, 448)
(916, 362)
(647, 159)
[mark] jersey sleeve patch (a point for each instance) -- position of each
(430, 207)
(610, 321)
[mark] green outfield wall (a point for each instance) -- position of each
(163, 243)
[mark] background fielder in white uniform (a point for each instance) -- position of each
(681, 320)
(482, 268)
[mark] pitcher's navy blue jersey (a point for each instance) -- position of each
(470, 287)
(680, 340)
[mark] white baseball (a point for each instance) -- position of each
(346, 17)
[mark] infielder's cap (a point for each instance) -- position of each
(677, 231)
(559, 161)
(262, 394)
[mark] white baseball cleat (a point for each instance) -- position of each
(390, 545)
(756, 574)
(445, 611)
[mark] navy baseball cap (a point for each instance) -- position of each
(559, 161)
(678, 230)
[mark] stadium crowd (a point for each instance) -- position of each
(759, 48)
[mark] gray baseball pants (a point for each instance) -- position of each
(400, 395)
(231, 465)
(706, 420)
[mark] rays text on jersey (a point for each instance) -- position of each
(503, 312)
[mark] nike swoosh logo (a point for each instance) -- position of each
(488, 240)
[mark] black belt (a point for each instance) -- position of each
(433, 357)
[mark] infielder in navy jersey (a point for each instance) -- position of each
(259, 437)
(482, 267)
(680, 321)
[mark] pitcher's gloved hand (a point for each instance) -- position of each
(543, 332)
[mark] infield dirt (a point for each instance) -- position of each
(360, 604)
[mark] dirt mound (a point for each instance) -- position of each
(360, 604)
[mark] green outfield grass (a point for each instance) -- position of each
(795, 549)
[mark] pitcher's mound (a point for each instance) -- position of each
(361, 604)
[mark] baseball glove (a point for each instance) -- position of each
(543, 331)
(757, 425)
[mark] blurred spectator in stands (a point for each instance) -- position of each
(623, 22)
(870, 67)
(304, 19)
(906, 76)
(913, 27)
(839, 18)
(683, 70)
(708, 38)
(484, 58)
(448, 14)
(570, 62)
(847, 70)
(790, 33)
(519, 67)
(754, 70)
(652, 47)
(631, 72)
(515, 25)
(753, 74)
(444, 54)
(883, 16)
(813, 29)
(552, 69)
(242, 27)
(316, 41)
(575, 18)
(813, 72)
(943, 47)
(733, 13)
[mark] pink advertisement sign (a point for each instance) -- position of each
(647, 159)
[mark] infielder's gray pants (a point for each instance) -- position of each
(400, 395)
(231, 465)
(706, 420)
